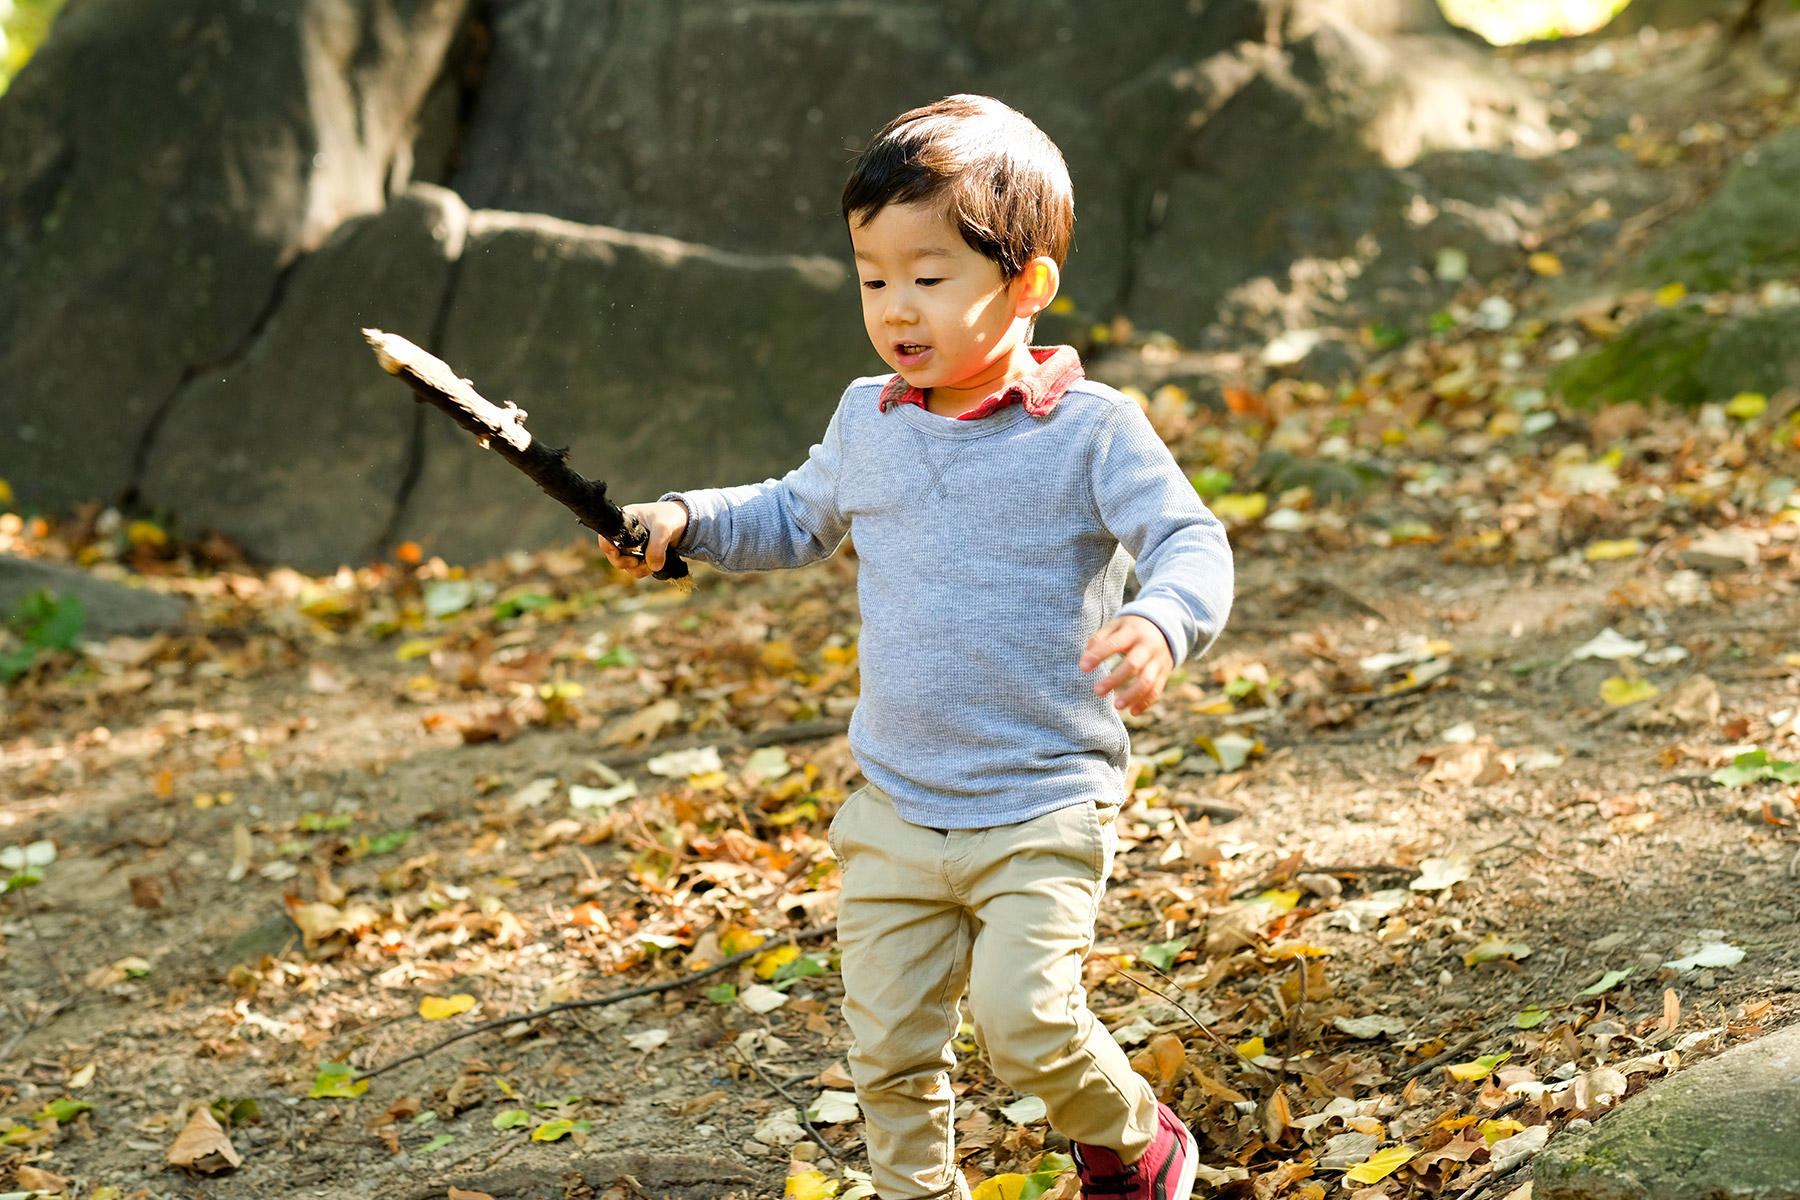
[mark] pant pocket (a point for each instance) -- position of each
(834, 832)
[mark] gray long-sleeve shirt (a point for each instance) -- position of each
(990, 552)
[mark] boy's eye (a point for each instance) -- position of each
(928, 282)
(873, 284)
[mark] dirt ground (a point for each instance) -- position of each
(1407, 818)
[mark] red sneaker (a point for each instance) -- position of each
(1165, 1172)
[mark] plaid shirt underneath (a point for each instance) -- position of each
(1058, 369)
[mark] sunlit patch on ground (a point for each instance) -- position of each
(1506, 22)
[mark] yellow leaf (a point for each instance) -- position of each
(1239, 506)
(6, 492)
(1380, 1165)
(770, 961)
(1620, 548)
(415, 648)
(1002, 1187)
(1278, 901)
(1254, 1048)
(146, 533)
(1547, 264)
(1670, 294)
(1481, 1068)
(1493, 1131)
(779, 656)
(436, 1008)
(1619, 691)
(737, 939)
(1062, 306)
(810, 1185)
(1747, 406)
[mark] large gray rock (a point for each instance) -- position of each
(189, 238)
(1688, 356)
(1746, 233)
(111, 608)
(1725, 1129)
(660, 364)
(160, 162)
(297, 447)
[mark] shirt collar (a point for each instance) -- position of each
(1058, 369)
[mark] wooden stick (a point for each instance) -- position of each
(649, 989)
(501, 428)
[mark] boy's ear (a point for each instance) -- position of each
(1036, 286)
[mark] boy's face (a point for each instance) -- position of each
(936, 309)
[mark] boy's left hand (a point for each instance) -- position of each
(1137, 682)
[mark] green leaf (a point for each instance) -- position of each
(382, 843)
(1532, 1017)
(1162, 955)
(337, 1080)
(227, 1111)
(512, 1118)
(45, 621)
(318, 822)
(63, 1110)
(553, 1131)
(1212, 481)
(426, 1117)
(436, 1143)
(1608, 982)
(725, 993)
(618, 656)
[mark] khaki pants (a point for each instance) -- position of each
(1005, 915)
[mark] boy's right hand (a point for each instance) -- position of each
(666, 521)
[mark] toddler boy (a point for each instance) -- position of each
(996, 499)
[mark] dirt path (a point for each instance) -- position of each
(1617, 856)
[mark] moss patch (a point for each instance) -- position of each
(1746, 234)
(1687, 356)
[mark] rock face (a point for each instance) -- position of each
(160, 162)
(1746, 234)
(1727, 1129)
(295, 446)
(1688, 356)
(200, 204)
(660, 364)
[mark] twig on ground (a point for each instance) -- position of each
(31, 1027)
(649, 989)
(799, 1108)
(1185, 1011)
(44, 946)
(1491, 1180)
(1437, 1060)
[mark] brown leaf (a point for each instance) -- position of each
(36, 1179)
(203, 1145)
(457, 1193)
(146, 892)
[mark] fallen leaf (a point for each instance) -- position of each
(1436, 874)
(1711, 954)
(761, 998)
(457, 1193)
(1620, 692)
(203, 1146)
(1380, 1165)
(437, 1008)
(642, 725)
(36, 1179)
(1026, 1110)
(834, 1108)
(1494, 946)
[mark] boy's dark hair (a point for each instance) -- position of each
(1001, 180)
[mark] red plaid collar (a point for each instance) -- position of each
(1058, 369)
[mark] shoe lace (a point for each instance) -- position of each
(1122, 1184)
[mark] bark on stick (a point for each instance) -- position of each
(501, 428)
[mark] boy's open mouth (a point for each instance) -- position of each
(910, 352)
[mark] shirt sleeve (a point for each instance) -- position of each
(1183, 557)
(786, 522)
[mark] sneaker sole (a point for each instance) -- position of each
(1184, 1186)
